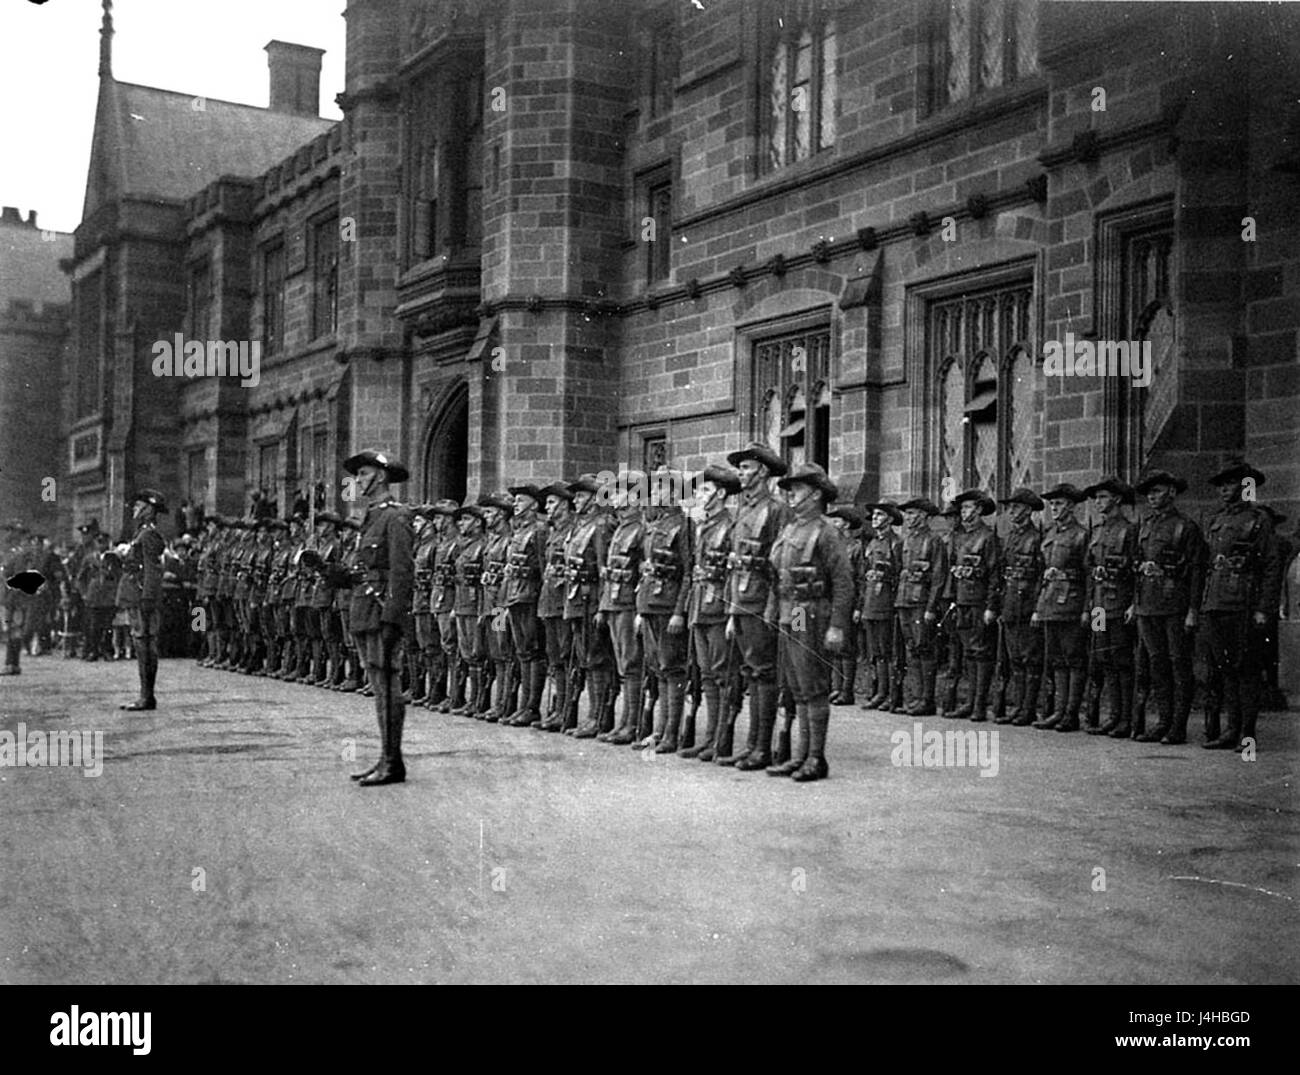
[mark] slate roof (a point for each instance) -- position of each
(168, 148)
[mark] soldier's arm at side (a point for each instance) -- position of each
(401, 567)
(1270, 582)
(837, 566)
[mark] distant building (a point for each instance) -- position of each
(34, 304)
(552, 236)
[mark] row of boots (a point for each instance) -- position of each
(314, 662)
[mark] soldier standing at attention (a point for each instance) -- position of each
(468, 604)
(812, 606)
(349, 563)
(922, 576)
(1022, 569)
(207, 577)
(259, 571)
(140, 591)
(661, 606)
(975, 588)
(525, 559)
(1241, 590)
(442, 603)
(706, 608)
(618, 603)
(760, 517)
(381, 601)
(591, 655)
(882, 563)
(497, 510)
(321, 598)
(422, 653)
(1112, 553)
(849, 521)
(1170, 563)
(1060, 609)
(550, 601)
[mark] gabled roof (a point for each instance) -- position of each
(160, 143)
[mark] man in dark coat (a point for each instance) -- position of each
(140, 591)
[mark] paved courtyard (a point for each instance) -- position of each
(223, 842)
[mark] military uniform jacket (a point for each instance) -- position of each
(350, 567)
(882, 564)
(102, 591)
(244, 567)
(209, 561)
(811, 569)
(494, 570)
(426, 547)
(322, 591)
(275, 579)
(261, 572)
(469, 576)
(665, 565)
(622, 568)
(1242, 572)
(550, 599)
(388, 571)
(759, 519)
(975, 567)
(225, 567)
(584, 554)
(442, 593)
(141, 583)
(1170, 564)
(524, 560)
(712, 549)
(1022, 573)
(1063, 590)
(1111, 555)
(304, 579)
(924, 574)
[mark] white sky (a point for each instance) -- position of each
(49, 59)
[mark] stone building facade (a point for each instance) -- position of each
(553, 236)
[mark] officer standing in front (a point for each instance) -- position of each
(381, 601)
(140, 591)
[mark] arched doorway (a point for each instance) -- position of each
(446, 451)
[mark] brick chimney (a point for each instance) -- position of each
(295, 77)
(10, 215)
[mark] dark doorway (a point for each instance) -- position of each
(446, 454)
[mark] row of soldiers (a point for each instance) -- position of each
(536, 595)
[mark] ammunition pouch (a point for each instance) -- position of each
(971, 567)
(803, 583)
(1236, 564)
(1059, 574)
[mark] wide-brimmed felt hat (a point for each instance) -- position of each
(919, 503)
(528, 489)
(1024, 495)
(889, 508)
(851, 515)
(151, 497)
(1237, 471)
(497, 500)
(328, 517)
(723, 477)
(814, 475)
(1065, 491)
(979, 496)
(585, 483)
(396, 472)
(444, 506)
(469, 509)
(761, 453)
(1113, 484)
(1160, 477)
(560, 489)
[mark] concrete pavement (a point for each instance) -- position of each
(223, 842)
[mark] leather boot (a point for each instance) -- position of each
(486, 684)
(894, 704)
(764, 700)
(799, 751)
(554, 721)
(381, 716)
(712, 700)
(625, 730)
(814, 766)
(530, 705)
(675, 689)
(1092, 700)
(924, 705)
(1231, 735)
(419, 678)
(589, 726)
(881, 693)
(848, 667)
(470, 692)
(437, 680)
(456, 687)
(722, 744)
(1016, 688)
(784, 733)
(1177, 734)
(303, 672)
(1076, 685)
(647, 719)
(949, 696)
(751, 736)
(983, 681)
(1111, 690)
(1164, 698)
(392, 770)
(577, 681)
(145, 700)
(1124, 712)
(1060, 699)
(500, 688)
(1027, 703)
